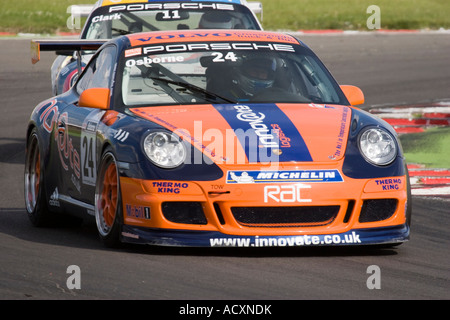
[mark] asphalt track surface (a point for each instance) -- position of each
(391, 69)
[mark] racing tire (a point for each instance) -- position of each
(34, 191)
(108, 204)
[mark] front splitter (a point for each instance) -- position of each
(189, 238)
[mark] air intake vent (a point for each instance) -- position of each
(184, 212)
(377, 210)
(282, 217)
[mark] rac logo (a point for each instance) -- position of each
(285, 193)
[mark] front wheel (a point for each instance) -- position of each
(35, 201)
(108, 204)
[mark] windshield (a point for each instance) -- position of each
(196, 73)
(113, 21)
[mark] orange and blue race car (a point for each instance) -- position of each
(108, 19)
(215, 138)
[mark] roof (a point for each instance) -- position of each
(84, 9)
(115, 2)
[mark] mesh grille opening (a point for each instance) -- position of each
(307, 216)
(184, 212)
(377, 210)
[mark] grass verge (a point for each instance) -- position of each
(352, 15)
(430, 148)
(50, 16)
(36, 16)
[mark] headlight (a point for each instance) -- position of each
(164, 149)
(378, 146)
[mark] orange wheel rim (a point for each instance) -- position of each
(109, 195)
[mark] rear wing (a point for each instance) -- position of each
(63, 47)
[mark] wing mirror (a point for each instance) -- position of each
(95, 98)
(353, 94)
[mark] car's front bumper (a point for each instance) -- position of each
(214, 213)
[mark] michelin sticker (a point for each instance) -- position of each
(248, 177)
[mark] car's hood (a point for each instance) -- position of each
(252, 133)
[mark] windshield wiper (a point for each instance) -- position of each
(194, 88)
(121, 31)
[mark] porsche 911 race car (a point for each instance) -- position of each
(215, 138)
(109, 19)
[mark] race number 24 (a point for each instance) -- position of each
(88, 158)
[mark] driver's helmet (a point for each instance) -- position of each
(256, 74)
(215, 20)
